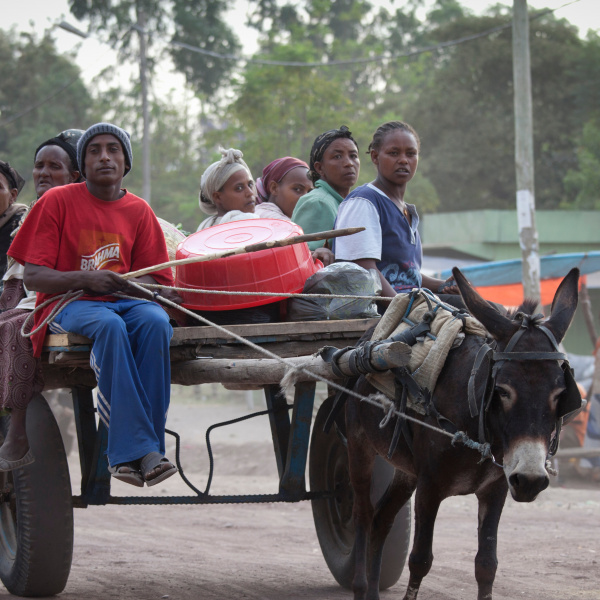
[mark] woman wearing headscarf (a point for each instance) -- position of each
(334, 169)
(11, 183)
(55, 163)
(227, 190)
(284, 181)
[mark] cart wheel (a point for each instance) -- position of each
(328, 470)
(36, 511)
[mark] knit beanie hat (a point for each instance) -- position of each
(99, 129)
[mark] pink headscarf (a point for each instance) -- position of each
(276, 171)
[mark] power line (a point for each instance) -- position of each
(332, 63)
(365, 60)
(61, 89)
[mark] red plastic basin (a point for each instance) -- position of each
(274, 270)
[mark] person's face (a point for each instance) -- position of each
(238, 193)
(288, 191)
(104, 160)
(397, 158)
(340, 165)
(7, 194)
(51, 168)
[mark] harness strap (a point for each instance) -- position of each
(445, 423)
(500, 356)
(484, 353)
(338, 403)
(486, 399)
(400, 401)
(550, 336)
(553, 448)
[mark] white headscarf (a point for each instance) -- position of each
(217, 175)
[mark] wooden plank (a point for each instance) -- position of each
(66, 339)
(181, 335)
(264, 331)
(253, 371)
(285, 349)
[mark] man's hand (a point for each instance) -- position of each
(171, 295)
(448, 287)
(100, 283)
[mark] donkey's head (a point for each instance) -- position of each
(530, 394)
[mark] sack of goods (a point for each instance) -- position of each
(342, 278)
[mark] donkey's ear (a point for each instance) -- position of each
(498, 325)
(564, 305)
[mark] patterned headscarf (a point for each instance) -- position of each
(321, 144)
(276, 171)
(12, 177)
(217, 175)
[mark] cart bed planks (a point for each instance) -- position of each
(66, 356)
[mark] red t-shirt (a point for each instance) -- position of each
(69, 229)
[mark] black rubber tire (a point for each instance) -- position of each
(36, 512)
(328, 471)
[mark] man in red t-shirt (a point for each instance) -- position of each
(82, 237)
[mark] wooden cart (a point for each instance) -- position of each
(36, 508)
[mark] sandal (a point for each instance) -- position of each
(128, 473)
(151, 462)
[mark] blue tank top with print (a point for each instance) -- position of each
(401, 252)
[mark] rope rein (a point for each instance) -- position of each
(269, 294)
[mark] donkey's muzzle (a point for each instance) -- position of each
(524, 487)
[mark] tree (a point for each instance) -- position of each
(583, 183)
(44, 97)
(279, 110)
(199, 23)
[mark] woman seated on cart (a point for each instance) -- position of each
(227, 190)
(390, 243)
(282, 183)
(334, 169)
(82, 237)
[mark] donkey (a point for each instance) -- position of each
(530, 391)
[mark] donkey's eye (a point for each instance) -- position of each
(507, 396)
(556, 396)
(502, 392)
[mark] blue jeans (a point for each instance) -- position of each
(130, 358)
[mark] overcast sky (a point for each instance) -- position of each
(92, 55)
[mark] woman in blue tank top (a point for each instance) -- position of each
(390, 243)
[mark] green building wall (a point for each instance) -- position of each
(493, 234)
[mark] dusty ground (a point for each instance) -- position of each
(547, 550)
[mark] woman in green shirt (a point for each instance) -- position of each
(334, 168)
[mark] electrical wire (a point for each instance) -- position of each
(332, 63)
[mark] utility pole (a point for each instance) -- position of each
(141, 29)
(528, 237)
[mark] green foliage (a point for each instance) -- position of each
(584, 182)
(459, 99)
(178, 160)
(464, 113)
(118, 18)
(200, 23)
(31, 110)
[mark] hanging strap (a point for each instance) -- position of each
(485, 352)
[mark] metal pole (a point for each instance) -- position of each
(528, 237)
(141, 29)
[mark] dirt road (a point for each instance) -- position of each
(547, 550)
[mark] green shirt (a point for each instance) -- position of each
(317, 210)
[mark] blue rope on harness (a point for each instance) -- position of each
(460, 437)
